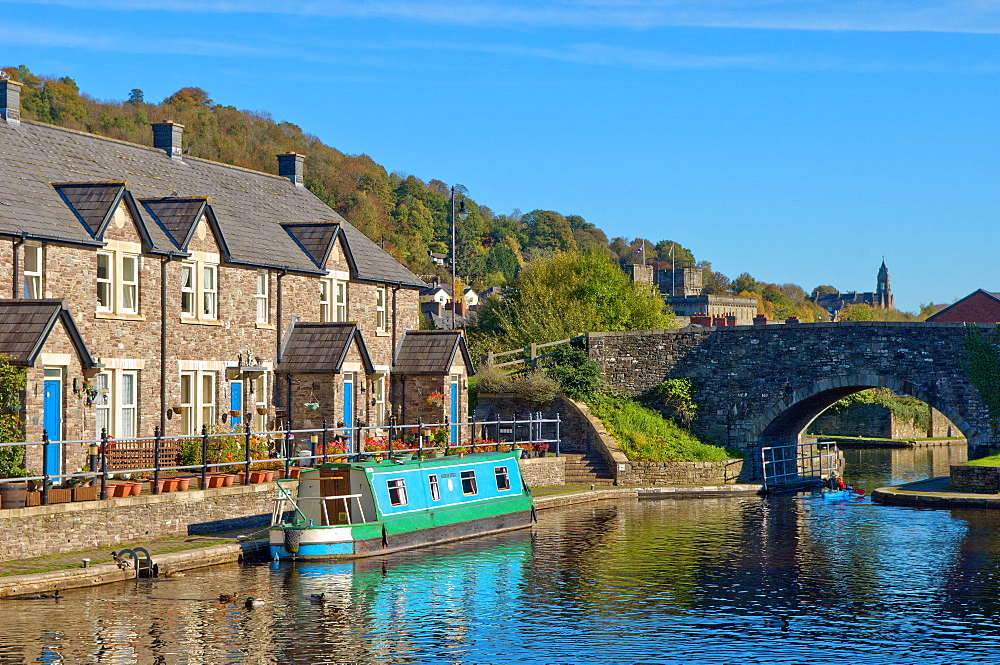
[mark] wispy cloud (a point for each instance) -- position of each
(952, 16)
(19, 35)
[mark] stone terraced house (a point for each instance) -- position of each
(142, 287)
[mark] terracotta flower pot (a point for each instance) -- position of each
(135, 489)
(268, 475)
(169, 485)
(257, 476)
(183, 484)
(228, 479)
(241, 478)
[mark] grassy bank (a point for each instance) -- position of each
(644, 434)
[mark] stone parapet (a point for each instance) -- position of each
(62, 527)
(725, 472)
(548, 471)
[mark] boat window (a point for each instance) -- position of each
(397, 492)
(469, 483)
(503, 477)
(435, 490)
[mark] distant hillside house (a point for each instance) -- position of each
(882, 298)
(977, 307)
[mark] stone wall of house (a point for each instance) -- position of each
(131, 521)
(548, 471)
(972, 478)
(724, 472)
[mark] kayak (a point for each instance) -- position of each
(841, 495)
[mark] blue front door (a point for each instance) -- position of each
(454, 410)
(52, 422)
(236, 402)
(348, 408)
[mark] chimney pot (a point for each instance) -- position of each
(10, 101)
(167, 137)
(290, 166)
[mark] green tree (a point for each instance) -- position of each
(823, 290)
(745, 283)
(569, 293)
(11, 428)
(548, 230)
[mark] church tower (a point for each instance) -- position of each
(883, 294)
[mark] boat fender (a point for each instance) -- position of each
(534, 514)
(385, 537)
(292, 538)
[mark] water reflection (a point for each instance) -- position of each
(872, 468)
(729, 580)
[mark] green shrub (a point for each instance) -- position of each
(644, 434)
(674, 398)
(491, 380)
(536, 387)
(11, 431)
(578, 376)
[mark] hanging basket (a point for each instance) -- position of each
(312, 406)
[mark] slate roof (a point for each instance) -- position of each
(316, 240)
(319, 348)
(249, 206)
(92, 202)
(26, 324)
(430, 352)
(178, 216)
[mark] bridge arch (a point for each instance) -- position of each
(783, 421)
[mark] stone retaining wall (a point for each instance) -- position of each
(980, 479)
(725, 472)
(547, 471)
(65, 527)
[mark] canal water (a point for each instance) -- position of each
(731, 580)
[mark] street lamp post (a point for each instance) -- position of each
(463, 214)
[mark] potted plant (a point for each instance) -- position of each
(435, 399)
(312, 406)
(540, 449)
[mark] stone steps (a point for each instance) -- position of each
(587, 468)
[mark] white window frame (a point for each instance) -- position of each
(259, 391)
(103, 384)
(128, 405)
(108, 281)
(116, 408)
(189, 290)
(199, 407)
(263, 296)
(502, 472)
(435, 488)
(339, 295)
(32, 279)
(202, 292)
(381, 315)
(378, 400)
(468, 480)
(129, 288)
(209, 291)
(326, 300)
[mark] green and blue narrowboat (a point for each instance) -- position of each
(351, 510)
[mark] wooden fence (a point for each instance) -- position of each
(532, 352)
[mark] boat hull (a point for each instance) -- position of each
(329, 542)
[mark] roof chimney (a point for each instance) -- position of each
(290, 166)
(10, 101)
(167, 137)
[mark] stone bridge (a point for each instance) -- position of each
(762, 385)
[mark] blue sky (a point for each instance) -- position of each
(797, 141)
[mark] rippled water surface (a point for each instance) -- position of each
(735, 580)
